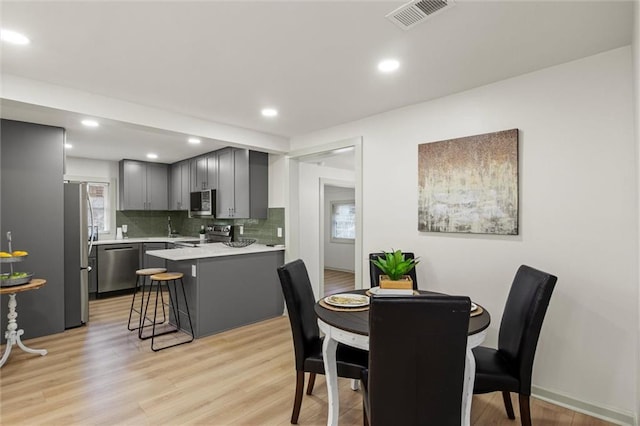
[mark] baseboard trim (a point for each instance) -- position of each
(607, 414)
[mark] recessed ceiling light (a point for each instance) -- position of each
(68, 146)
(194, 140)
(13, 37)
(269, 112)
(90, 123)
(152, 156)
(388, 65)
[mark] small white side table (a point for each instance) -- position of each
(13, 334)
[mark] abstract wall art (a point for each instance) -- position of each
(469, 184)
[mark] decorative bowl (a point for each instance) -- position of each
(240, 243)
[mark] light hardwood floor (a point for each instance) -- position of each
(101, 374)
(338, 281)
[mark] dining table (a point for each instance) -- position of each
(350, 326)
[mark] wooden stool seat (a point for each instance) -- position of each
(167, 276)
(141, 275)
(150, 271)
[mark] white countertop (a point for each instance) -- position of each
(203, 251)
(145, 240)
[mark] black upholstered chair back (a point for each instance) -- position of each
(298, 296)
(522, 319)
(375, 272)
(417, 348)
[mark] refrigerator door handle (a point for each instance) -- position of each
(92, 226)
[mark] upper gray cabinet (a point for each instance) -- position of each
(243, 184)
(204, 172)
(144, 186)
(180, 186)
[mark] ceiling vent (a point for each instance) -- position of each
(411, 14)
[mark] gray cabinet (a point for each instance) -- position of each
(180, 186)
(243, 184)
(204, 172)
(144, 186)
(32, 208)
(152, 261)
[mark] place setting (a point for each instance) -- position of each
(350, 302)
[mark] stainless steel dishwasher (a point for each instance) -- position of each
(117, 265)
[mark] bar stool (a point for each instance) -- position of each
(169, 278)
(141, 275)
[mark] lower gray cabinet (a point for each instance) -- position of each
(152, 261)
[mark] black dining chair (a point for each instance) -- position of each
(508, 368)
(375, 272)
(416, 373)
(307, 343)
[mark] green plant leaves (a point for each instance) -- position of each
(394, 264)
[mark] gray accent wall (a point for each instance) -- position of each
(31, 207)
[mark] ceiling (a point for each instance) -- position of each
(315, 61)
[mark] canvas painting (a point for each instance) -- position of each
(469, 184)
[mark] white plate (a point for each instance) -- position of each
(391, 292)
(347, 300)
(474, 307)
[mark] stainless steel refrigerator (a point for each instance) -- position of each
(77, 245)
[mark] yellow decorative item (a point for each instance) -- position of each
(20, 253)
(5, 254)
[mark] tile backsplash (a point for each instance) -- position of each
(142, 223)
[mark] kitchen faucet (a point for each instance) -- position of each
(169, 225)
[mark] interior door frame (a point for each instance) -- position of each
(292, 219)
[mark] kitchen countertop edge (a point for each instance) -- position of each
(205, 251)
(144, 240)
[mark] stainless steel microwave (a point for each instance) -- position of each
(203, 203)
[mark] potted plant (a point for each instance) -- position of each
(395, 267)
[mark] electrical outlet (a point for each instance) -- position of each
(193, 270)
(241, 229)
(279, 232)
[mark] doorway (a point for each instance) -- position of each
(309, 171)
(338, 236)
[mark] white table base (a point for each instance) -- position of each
(13, 334)
(334, 335)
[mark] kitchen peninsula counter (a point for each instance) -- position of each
(227, 287)
(208, 250)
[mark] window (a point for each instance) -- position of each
(99, 198)
(343, 221)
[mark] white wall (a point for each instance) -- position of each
(90, 104)
(578, 211)
(636, 63)
(340, 256)
(309, 242)
(277, 181)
